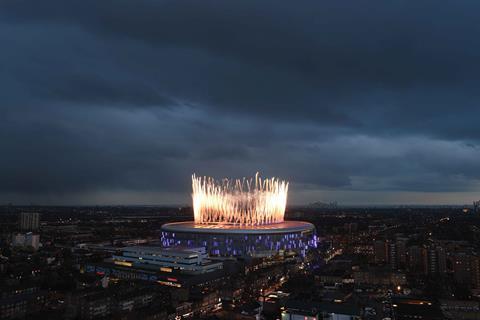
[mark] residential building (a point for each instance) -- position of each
(29, 221)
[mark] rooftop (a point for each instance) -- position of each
(169, 250)
(281, 227)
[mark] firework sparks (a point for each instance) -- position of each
(251, 202)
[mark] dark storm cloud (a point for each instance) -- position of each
(136, 95)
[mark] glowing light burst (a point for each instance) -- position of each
(249, 202)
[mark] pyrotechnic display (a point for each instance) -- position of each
(246, 202)
(240, 217)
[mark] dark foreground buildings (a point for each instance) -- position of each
(112, 263)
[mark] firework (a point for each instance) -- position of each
(248, 202)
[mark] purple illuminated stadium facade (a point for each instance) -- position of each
(242, 241)
(240, 218)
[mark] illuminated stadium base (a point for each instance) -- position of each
(242, 241)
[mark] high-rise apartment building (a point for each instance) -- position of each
(416, 259)
(475, 268)
(29, 221)
(392, 255)
(380, 251)
(401, 245)
(390, 252)
(462, 272)
(428, 260)
(441, 260)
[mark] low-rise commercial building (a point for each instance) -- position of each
(184, 260)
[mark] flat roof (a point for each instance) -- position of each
(346, 308)
(281, 227)
(163, 250)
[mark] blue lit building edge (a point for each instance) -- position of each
(243, 245)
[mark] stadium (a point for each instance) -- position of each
(240, 218)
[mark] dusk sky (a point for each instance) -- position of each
(119, 102)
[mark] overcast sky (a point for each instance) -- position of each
(119, 102)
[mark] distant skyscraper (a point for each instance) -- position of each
(29, 221)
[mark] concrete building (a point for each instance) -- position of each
(462, 268)
(392, 255)
(416, 259)
(95, 306)
(378, 277)
(475, 267)
(19, 306)
(410, 308)
(184, 260)
(234, 240)
(18, 240)
(460, 309)
(29, 221)
(401, 246)
(300, 310)
(476, 206)
(32, 240)
(380, 251)
(436, 260)
(390, 252)
(441, 260)
(466, 270)
(29, 240)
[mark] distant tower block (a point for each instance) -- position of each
(29, 221)
(476, 206)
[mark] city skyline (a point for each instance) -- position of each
(240, 160)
